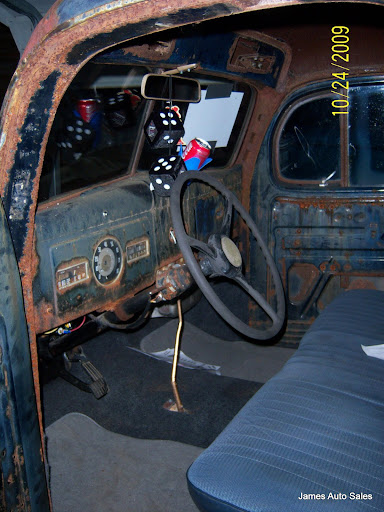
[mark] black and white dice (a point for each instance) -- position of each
(163, 173)
(163, 129)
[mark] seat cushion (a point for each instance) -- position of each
(354, 312)
(313, 437)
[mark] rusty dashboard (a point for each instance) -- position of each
(102, 246)
(94, 250)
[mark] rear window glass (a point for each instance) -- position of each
(309, 144)
(316, 147)
(366, 136)
(217, 119)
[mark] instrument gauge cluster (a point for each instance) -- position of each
(107, 261)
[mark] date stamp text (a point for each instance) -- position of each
(340, 59)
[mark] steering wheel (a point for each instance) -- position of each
(221, 257)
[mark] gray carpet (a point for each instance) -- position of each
(92, 470)
(139, 385)
(238, 359)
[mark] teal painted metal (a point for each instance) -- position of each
(25, 486)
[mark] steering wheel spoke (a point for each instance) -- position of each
(257, 296)
(200, 246)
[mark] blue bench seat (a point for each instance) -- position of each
(312, 438)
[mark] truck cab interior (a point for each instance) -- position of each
(194, 197)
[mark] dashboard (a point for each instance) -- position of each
(98, 248)
(93, 250)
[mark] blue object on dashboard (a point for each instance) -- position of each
(192, 164)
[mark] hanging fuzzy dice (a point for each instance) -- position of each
(163, 173)
(163, 129)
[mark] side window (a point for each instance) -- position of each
(313, 147)
(309, 144)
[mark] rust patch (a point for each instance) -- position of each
(267, 102)
(302, 278)
(245, 52)
(173, 280)
(329, 204)
(364, 284)
(45, 26)
(18, 457)
(157, 51)
(46, 318)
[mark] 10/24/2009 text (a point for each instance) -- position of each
(340, 59)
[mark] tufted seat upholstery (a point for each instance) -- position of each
(316, 428)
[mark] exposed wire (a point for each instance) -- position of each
(66, 329)
(51, 331)
(78, 327)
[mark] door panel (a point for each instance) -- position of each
(325, 248)
(23, 476)
(319, 190)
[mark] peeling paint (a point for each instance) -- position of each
(111, 6)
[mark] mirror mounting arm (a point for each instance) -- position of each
(180, 69)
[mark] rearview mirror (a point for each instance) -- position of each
(169, 87)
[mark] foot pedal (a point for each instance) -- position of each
(97, 385)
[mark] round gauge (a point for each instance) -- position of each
(107, 261)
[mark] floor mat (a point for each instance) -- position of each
(93, 469)
(139, 386)
(238, 359)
